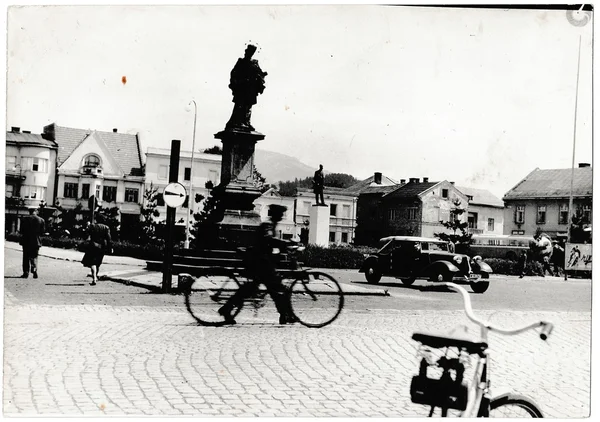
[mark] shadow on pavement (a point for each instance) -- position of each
(423, 288)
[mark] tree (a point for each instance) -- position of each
(216, 150)
(112, 219)
(149, 213)
(205, 228)
(259, 181)
(70, 222)
(332, 180)
(460, 235)
(578, 225)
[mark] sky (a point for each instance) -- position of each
(480, 97)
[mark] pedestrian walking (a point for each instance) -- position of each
(558, 257)
(32, 227)
(523, 263)
(99, 243)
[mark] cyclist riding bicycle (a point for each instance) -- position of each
(261, 265)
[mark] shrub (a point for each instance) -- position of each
(334, 256)
(508, 267)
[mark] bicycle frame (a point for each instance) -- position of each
(478, 402)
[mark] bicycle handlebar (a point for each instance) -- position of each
(547, 327)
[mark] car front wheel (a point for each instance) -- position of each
(408, 281)
(441, 275)
(372, 274)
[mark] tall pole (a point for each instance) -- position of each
(573, 159)
(170, 227)
(191, 196)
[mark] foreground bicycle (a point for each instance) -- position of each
(315, 298)
(448, 356)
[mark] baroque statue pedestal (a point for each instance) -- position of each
(238, 191)
(318, 232)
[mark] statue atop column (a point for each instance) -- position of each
(247, 81)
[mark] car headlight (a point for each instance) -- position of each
(457, 259)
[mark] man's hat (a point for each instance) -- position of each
(277, 209)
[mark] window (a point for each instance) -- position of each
(490, 224)
(109, 193)
(11, 162)
(472, 219)
(563, 214)
(213, 176)
(333, 210)
(34, 164)
(587, 213)
(332, 237)
(412, 213)
(187, 173)
(163, 172)
(97, 192)
(85, 190)
(520, 214)
(346, 211)
(70, 190)
(344, 237)
(306, 207)
(10, 190)
(392, 214)
(541, 214)
(444, 193)
(131, 195)
(91, 161)
(33, 192)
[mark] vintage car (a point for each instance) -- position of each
(409, 258)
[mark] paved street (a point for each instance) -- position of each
(116, 349)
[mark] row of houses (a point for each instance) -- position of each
(66, 166)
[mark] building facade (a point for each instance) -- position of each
(107, 165)
(541, 200)
(30, 174)
(342, 214)
(207, 167)
(287, 227)
(485, 212)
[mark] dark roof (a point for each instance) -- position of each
(29, 139)
(481, 197)
(554, 183)
(367, 186)
(411, 190)
(123, 147)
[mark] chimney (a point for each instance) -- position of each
(115, 130)
(15, 129)
(413, 180)
(402, 181)
(452, 183)
(377, 178)
(26, 131)
(425, 179)
(583, 165)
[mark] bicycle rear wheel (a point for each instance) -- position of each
(206, 295)
(514, 406)
(316, 300)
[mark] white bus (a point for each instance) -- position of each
(505, 246)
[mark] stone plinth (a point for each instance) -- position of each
(238, 191)
(318, 232)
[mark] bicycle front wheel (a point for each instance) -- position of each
(316, 299)
(514, 406)
(206, 295)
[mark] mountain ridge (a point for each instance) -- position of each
(277, 167)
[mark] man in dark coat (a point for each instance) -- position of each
(32, 227)
(318, 185)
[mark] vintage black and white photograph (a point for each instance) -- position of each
(304, 210)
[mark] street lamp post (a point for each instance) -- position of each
(191, 196)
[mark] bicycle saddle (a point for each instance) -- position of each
(438, 341)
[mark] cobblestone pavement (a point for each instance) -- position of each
(105, 360)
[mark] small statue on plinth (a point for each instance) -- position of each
(247, 81)
(319, 185)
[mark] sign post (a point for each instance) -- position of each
(170, 227)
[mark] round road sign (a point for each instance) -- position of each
(174, 194)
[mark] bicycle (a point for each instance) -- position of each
(450, 391)
(315, 298)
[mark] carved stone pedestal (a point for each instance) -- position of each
(237, 187)
(318, 233)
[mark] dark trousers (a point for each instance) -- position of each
(319, 195)
(30, 256)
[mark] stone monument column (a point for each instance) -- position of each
(237, 192)
(318, 232)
